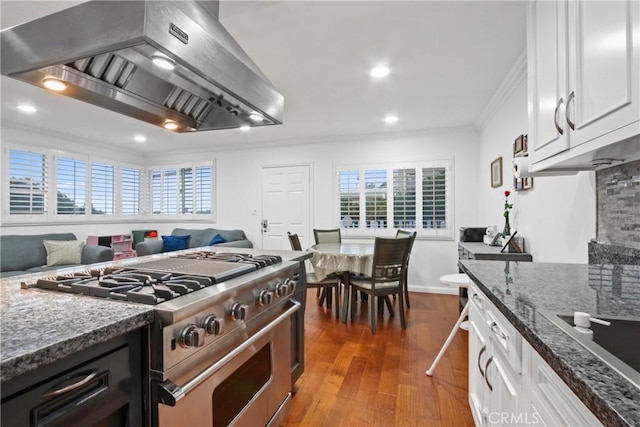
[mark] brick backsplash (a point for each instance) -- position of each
(618, 204)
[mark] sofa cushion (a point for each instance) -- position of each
(174, 243)
(62, 252)
(216, 239)
(21, 252)
(231, 235)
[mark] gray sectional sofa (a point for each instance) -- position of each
(24, 254)
(198, 238)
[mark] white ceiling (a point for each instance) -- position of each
(447, 60)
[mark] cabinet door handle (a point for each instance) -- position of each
(572, 96)
(88, 376)
(486, 370)
(482, 350)
(477, 298)
(496, 330)
(555, 116)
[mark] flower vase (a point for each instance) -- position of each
(506, 231)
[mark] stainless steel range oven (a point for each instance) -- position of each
(221, 348)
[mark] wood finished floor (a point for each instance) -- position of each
(354, 378)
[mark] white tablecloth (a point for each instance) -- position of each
(341, 257)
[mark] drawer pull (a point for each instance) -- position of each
(88, 376)
(496, 330)
(476, 297)
(486, 370)
(482, 350)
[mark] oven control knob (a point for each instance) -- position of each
(238, 311)
(282, 289)
(265, 297)
(213, 325)
(292, 284)
(192, 336)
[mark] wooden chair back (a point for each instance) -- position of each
(294, 241)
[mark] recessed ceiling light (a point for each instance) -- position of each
(245, 128)
(379, 72)
(170, 125)
(391, 119)
(25, 108)
(256, 117)
(163, 61)
(140, 138)
(54, 84)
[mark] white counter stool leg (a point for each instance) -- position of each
(460, 280)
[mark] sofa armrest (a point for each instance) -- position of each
(245, 243)
(92, 254)
(149, 247)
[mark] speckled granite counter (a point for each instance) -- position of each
(521, 290)
(39, 327)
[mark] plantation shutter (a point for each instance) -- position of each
(28, 183)
(71, 182)
(130, 191)
(102, 189)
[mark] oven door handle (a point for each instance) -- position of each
(168, 393)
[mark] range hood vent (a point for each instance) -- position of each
(105, 57)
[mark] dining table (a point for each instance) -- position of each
(342, 259)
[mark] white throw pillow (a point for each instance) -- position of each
(63, 252)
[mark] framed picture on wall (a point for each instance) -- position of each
(518, 146)
(496, 172)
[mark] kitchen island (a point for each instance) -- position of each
(40, 327)
(58, 346)
(523, 291)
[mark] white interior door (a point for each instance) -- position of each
(285, 206)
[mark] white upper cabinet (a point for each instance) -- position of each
(584, 91)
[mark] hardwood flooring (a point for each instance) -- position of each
(354, 378)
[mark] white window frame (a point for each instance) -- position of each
(142, 191)
(7, 216)
(114, 204)
(178, 168)
(362, 231)
(54, 187)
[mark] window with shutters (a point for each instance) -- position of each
(102, 189)
(411, 196)
(130, 191)
(84, 188)
(28, 182)
(71, 185)
(183, 191)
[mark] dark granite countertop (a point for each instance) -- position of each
(39, 327)
(521, 290)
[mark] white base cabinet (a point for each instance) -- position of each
(509, 382)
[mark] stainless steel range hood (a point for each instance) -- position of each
(103, 51)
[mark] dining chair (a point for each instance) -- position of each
(412, 236)
(324, 286)
(387, 277)
(327, 236)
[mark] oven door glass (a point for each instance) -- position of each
(235, 392)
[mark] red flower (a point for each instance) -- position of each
(506, 193)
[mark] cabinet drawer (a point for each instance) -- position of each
(477, 299)
(79, 397)
(507, 340)
(556, 404)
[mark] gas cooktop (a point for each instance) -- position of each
(157, 281)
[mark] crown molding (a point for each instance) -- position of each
(514, 77)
